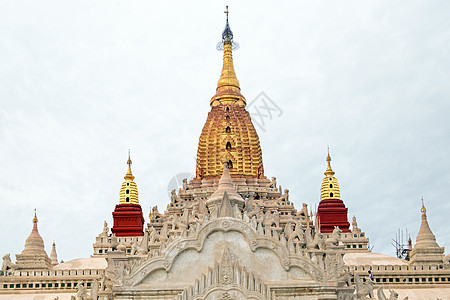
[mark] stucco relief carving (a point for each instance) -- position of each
(226, 281)
(259, 238)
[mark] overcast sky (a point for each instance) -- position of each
(83, 81)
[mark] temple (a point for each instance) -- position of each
(230, 233)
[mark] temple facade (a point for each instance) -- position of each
(230, 233)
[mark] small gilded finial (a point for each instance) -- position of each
(129, 175)
(423, 209)
(35, 219)
(329, 172)
(129, 158)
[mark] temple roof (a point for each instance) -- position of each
(372, 259)
(83, 263)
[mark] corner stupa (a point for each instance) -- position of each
(33, 256)
(426, 251)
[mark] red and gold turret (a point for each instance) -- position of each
(331, 211)
(228, 131)
(128, 218)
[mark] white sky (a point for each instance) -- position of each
(83, 81)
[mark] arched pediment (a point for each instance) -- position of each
(247, 240)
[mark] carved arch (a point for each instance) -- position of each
(254, 239)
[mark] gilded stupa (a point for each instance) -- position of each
(128, 217)
(331, 211)
(228, 130)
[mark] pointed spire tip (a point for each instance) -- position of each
(423, 209)
(129, 175)
(329, 172)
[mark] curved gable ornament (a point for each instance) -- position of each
(227, 281)
(255, 234)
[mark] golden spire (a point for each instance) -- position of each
(35, 219)
(129, 175)
(128, 191)
(329, 172)
(228, 90)
(330, 185)
(228, 132)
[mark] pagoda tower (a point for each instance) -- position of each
(331, 211)
(225, 187)
(54, 255)
(33, 256)
(128, 218)
(228, 131)
(426, 251)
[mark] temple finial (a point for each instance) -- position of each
(129, 175)
(35, 219)
(228, 91)
(227, 34)
(329, 172)
(423, 209)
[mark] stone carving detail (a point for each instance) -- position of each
(345, 278)
(142, 247)
(7, 265)
(114, 242)
(105, 231)
(155, 215)
(334, 265)
(271, 219)
(117, 270)
(363, 289)
(393, 295)
(346, 295)
(163, 248)
(334, 239)
(81, 291)
(224, 280)
(225, 268)
(285, 196)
